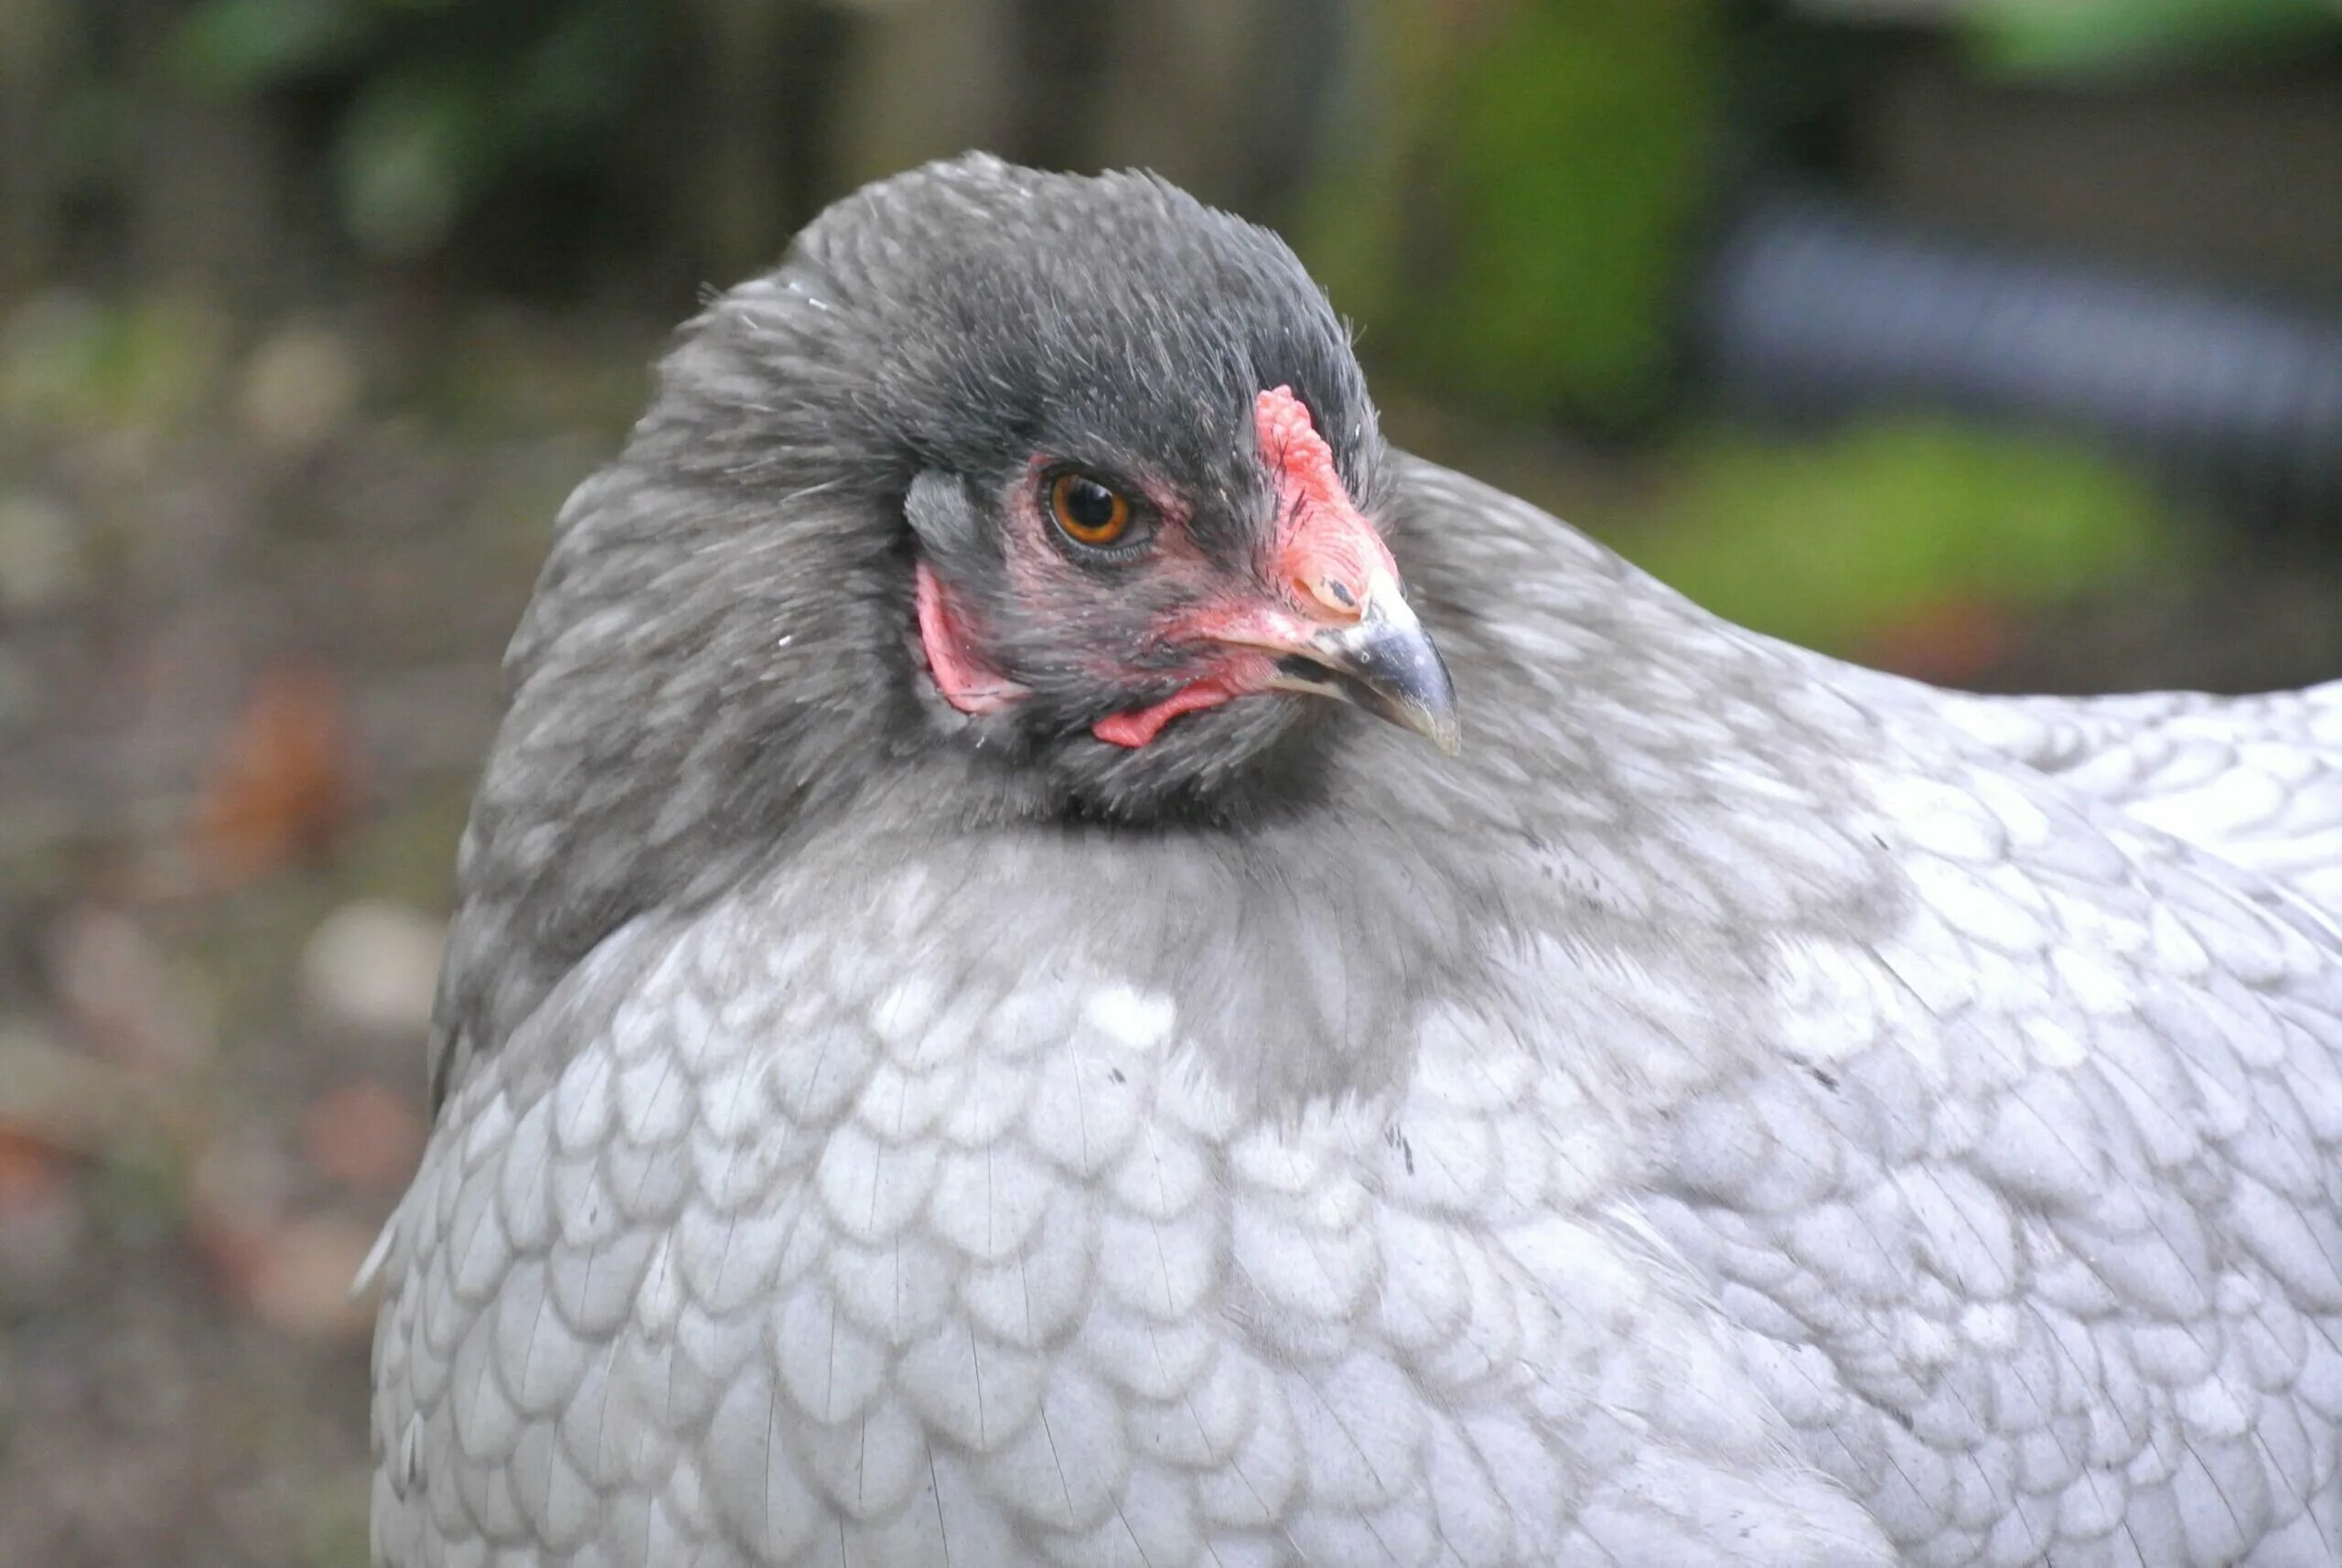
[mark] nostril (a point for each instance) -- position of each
(1326, 589)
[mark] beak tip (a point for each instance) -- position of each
(1384, 663)
(1438, 725)
(1407, 684)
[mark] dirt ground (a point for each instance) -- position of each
(251, 605)
(252, 600)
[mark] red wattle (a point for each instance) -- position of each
(964, 678)
(1236, 678)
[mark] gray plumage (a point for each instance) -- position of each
(1742, 1109)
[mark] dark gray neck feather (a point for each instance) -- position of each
(719, 661)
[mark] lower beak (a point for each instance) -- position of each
(1383, 663)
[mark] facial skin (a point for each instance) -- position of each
(1316, 608)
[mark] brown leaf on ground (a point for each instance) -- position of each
(297, 1278)
(40, 1220)
(78, 1104)
(242, 1179)
(125, 997)
(280, 787)
(365, 1135)
(32, 1173)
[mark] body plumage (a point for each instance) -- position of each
(1742, 1109)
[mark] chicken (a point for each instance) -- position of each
(955, 1050)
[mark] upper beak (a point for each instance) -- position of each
(1336, 624)
(1384, 662)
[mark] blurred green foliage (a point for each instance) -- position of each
(1512, 227)
(435, 102)
(1828, 542)
(2084, 37)
(69, 361)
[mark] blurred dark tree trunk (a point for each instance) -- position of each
(925, 81)
(748, 116)
(1249, 81)
(35, 43)
(1061, 49)
(204, 180)
(728, 151)
(748, 166)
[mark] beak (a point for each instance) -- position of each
(1384, 662)
(1337, 624)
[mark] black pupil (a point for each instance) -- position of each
(1088, 505)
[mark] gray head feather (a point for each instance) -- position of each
(719, 653)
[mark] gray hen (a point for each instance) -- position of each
(953, 1052)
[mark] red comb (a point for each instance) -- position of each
(1290, 442)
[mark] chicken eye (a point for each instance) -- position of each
(1088, 513)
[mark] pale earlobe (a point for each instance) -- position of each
(943, 514)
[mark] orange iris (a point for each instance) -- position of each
(1086, 510)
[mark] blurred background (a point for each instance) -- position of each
(1999, 342)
